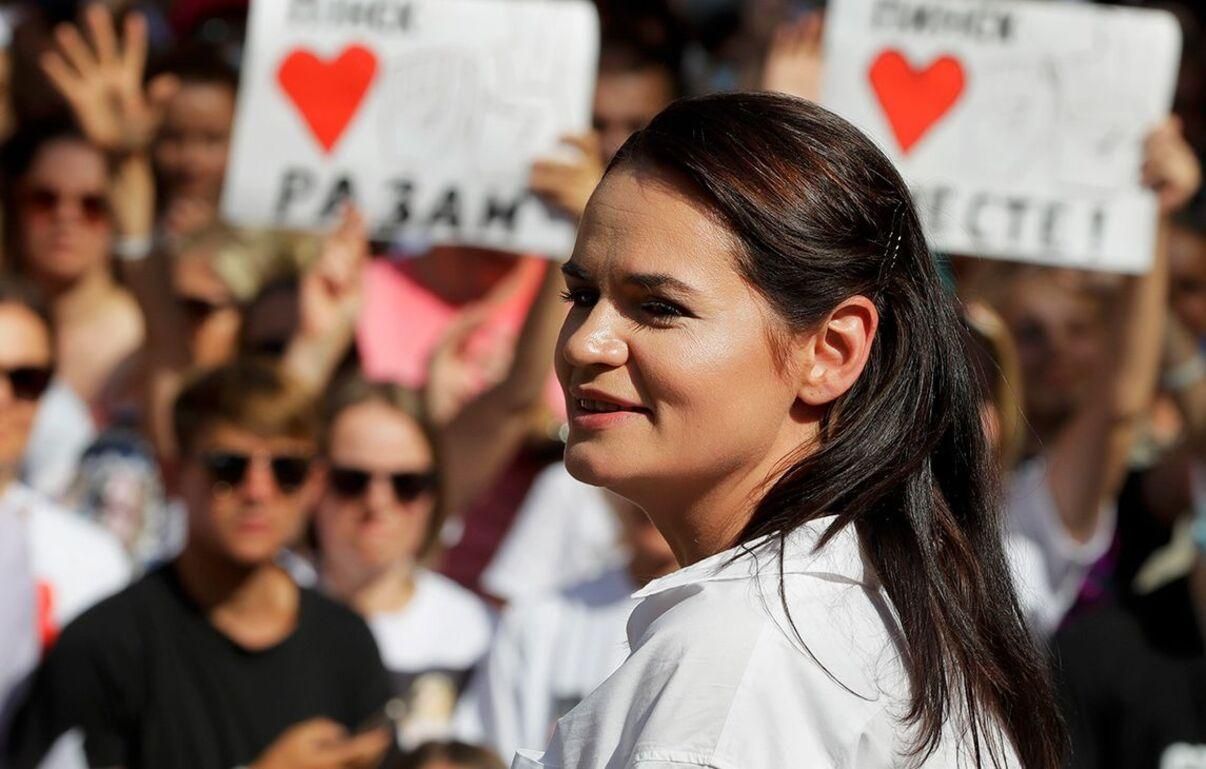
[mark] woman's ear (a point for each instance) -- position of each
(837, 350)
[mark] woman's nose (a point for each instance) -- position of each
(596, 340)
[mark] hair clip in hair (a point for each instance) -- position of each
(896, 234)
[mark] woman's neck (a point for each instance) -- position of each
(387, 590)
(704, 516)
(700, 522)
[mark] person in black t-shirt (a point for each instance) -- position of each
(1132, 678)
(219, 659)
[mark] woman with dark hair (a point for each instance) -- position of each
(760, 354)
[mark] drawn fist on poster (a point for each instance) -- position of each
(456, 99)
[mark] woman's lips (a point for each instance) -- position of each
(595, 413)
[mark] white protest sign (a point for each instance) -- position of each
(1019, 125)
(427, 114)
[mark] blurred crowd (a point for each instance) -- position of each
(278, 499)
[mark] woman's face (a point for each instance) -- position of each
(1187, 290)
(194, 143)
(24, 347)
(1059, 334)
(666, 356)
(63, 211)
(365, 532)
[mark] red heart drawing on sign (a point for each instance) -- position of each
(915, 100)
(328, 93)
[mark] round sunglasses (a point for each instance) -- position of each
(352, 482)
(40, 201)
(230, 468)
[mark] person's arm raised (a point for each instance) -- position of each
(330, 303)
(566, 184)
(100, 76)
(1088, 459)
(794, 64)
(482, 437)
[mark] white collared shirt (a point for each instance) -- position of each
(717, 677)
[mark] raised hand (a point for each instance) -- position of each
(456, 372)
(794, 64)
(101, 79)
(330, 288)
(567, 184)
(1170, 167)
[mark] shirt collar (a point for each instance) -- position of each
(840, 558)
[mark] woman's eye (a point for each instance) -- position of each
(580, 297)
(665, 310)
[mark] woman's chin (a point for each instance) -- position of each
(591, 465)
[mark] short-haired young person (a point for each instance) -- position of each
(218, 659)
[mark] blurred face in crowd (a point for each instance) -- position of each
(194, 142)
(1188, 286)
(461, 274)
(247, 495)
(1059, 332)
(666, 355)
(625, 102)
(25, 365)
(64, 223)
(380, 495)
(210, 309)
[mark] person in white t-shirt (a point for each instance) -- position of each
(379, 517)
(553, 650)
(570, 524)
(58, 563)
(62, 432)
(761, 355)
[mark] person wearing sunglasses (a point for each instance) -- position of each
(219, 659)
(377, 522)
(64, 230)
(69, 562)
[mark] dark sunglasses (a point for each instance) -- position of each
(197, 309)
(231, 468)
(28, 382)
(93, 207)
(351, 483)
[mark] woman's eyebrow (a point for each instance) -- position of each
(571, 270)
(655, 280)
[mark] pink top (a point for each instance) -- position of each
(401, 323)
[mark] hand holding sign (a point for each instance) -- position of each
(567, 184)
(428, 115)
(1170, 167)
(102, 82)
